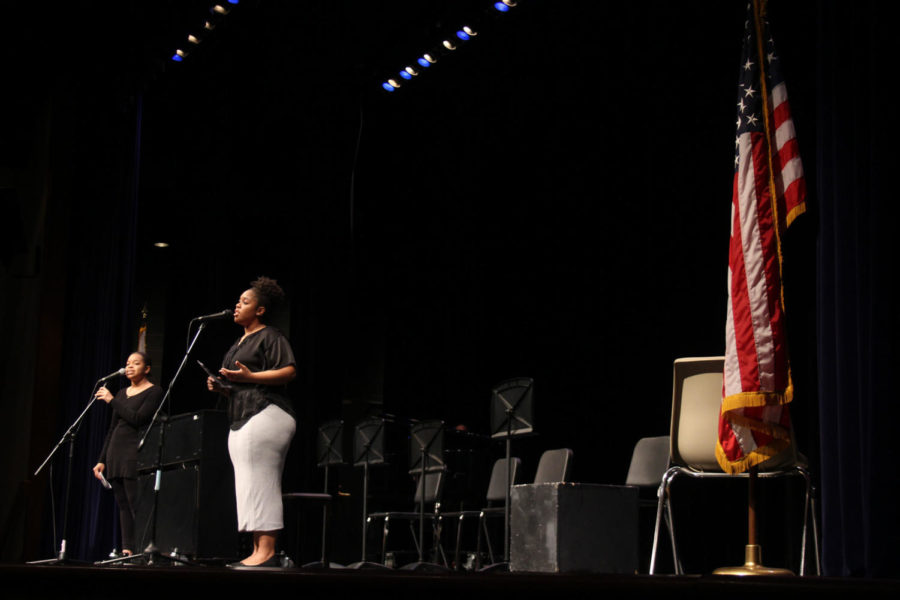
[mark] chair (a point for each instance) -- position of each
(325, 499)
(434, 484)
(649, 462)
(496, 493)
(696, 399)
(554, 466)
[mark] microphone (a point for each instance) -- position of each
(111, 375)
(219, 315)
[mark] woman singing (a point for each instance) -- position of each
(133, 407)
(255, 372)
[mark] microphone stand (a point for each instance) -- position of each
(69, 438)
(151, 553)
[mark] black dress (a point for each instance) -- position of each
(130, 414)
(263, 350)
(119, 454)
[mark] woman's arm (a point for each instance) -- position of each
(271, 377)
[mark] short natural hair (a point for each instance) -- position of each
(268, 293)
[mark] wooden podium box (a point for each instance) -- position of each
(573, 527)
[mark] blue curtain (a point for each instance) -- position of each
(101, 324)
(857, 316)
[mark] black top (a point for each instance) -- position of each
(130, 413)
(262, 350)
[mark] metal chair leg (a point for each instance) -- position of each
(384, 536)
(805, 522)
(662, 496)
(815, 528)
(459, 527)
(670, 521)
(478, 545)
(438, 548)
(487, 539)
(415, 538)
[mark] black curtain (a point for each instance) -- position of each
(852, 202)
(101, 146)
(857, 322)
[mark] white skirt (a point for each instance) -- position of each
(258, 450)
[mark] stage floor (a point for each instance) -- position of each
(176, 583)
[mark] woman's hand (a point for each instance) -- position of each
(242, 374)
(98, 470)
(214, 385)
(281, 376)
(104, 394)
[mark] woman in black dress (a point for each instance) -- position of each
(254, 378)
(133, 408)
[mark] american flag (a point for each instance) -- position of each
(754, 422)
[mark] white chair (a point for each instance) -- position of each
(696, 399)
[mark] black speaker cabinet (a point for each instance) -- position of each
(573, 527)
(197, 515)
(196, 505)
(201, 435)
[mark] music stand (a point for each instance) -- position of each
(329, 453)
(368, 449)
(426, 455)
(512, 414)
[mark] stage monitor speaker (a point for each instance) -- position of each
(201, 435)
(197, 515)
(573, 527)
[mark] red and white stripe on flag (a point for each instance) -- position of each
(754, 422)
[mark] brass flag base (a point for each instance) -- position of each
(752, 566)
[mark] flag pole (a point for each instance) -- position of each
(753, 551)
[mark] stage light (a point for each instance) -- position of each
(194, 39)
(219, 8)
(447, 45)
(179, 55)
(161, 244)
(392, 84)
(209, 25)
